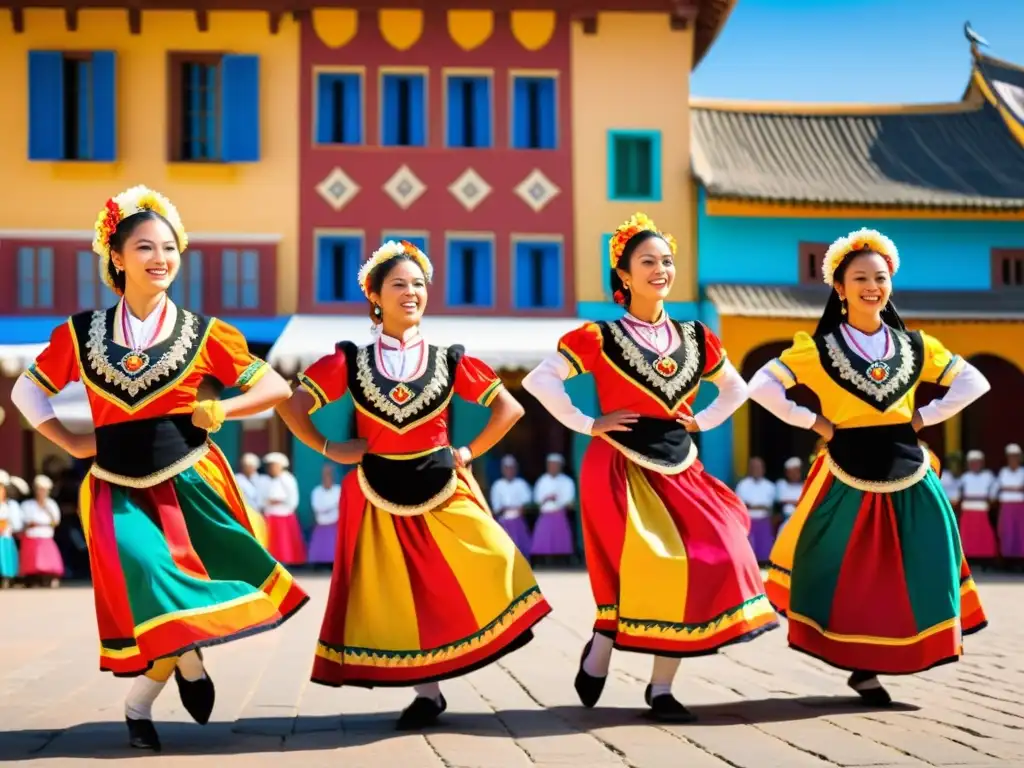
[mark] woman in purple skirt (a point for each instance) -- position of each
(509, 495)
(758, 493)
(324, 502)
(553, 494)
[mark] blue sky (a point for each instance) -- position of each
(855, 50)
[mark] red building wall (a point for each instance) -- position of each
(370, 165)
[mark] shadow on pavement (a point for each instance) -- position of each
(301, 734)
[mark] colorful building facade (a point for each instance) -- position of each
(777, 183)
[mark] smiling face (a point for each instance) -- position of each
(652, 270)
(149, 258)
(866, 285)
(402, 295)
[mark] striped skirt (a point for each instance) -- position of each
(177, 566)
(874, 581)
(425, 597)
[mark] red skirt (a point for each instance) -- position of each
(284, 539)
(40, 557)
(670, 563)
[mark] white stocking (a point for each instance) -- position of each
(191, 666)
(139, 703)
(663, 672)
(430, 691)
(600, 657)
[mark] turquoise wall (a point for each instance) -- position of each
(335, 422)
(935, 254)
(229, 439)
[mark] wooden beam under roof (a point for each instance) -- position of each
(574, 7)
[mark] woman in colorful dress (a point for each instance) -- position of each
(10, 524)
(426, 584)
(280, 497)
(40, 558)
(174, 563)
(671, 568)
(869, 570)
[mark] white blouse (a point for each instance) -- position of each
(508, 497)
(10, 518)
(553, 493)
(758, 495)
(39, 520)
(280, 495)
(968, 386)
(1010, 485)
(324, 502)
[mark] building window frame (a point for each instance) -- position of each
(189, 286)
(91, 290)
(418, 98)
(547, 241)
(36, 279)
(347, 271)
(1007, 269)
(537, 137)
(458, 122)
(240, 278)
(418, 237)
(810, 255)
(354, 130)
(614, 137)
(455, 278)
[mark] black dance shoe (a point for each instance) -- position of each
(588, 687)
(421, 713)
(197, 696)
(666, 708)
(869, 689)
(142, 734)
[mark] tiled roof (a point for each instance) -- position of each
(953, 156)
(711, 17)
(807, 302)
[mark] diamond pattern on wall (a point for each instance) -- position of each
(537, 190)
(337, 189)
(404, 187)
(470, 189)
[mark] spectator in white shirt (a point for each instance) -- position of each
(280, 497)
(510, 495)
(977, 487)
(789, 488)
(40, 558)
(951, 475)
(10, 524)
(758, 494)
(249, 480)
(325, 500)
(553, 493)
(1009, 492)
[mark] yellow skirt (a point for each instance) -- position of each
(422, 598)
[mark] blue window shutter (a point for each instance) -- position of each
(83, 111)
(195, 281)
(85, 267)
(229, 279)
(250, 279)
(456, 111)
(482, 112)
(352, 261)
(521, 113)
(353, 119)
(176, 291)
(44, 277)
(213, 148)
(523, 275)
(548, 114)
(26, 277)
(324, 269)
(483, 288)
(104, 106)
(324, 107)
(45, 105)
(417, 111)
(453, 266)
(240, 109)
(551, 281)
(389, 115)
(107, 297)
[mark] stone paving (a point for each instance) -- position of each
(760, 705)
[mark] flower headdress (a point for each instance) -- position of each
(638, 222)
(388, 251)
(120, 207)
(861, 240)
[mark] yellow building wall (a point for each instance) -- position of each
(633, 74)
(256, 198)
(742, 335)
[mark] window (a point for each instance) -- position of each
(421, 240)
(468, 101)
(1007, 268)
(538, 274)
(339, 108)
(240, 279)
(634, 165)
(809, 266)
(35, 278)
(404, 112)
(215, 108)
(187, 288)
(534, 113)
(71, 106)
(470, 270)
(337, 270)
(93, 293)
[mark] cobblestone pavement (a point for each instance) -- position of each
(760, 705)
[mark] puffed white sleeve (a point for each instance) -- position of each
(732, 393)
(968, 386)
(770, 393)
(546, 382)
(32, 401)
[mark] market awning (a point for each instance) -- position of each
(15, 358)
(501, 342)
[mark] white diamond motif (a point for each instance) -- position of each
(404, 187)
(470, 189)
(337, 189)
(537, 190)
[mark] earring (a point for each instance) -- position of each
(842, 308)
(376, 310)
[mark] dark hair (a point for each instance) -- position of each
(124, 230)
(380, 273)
(832, 317)
(618, 289)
